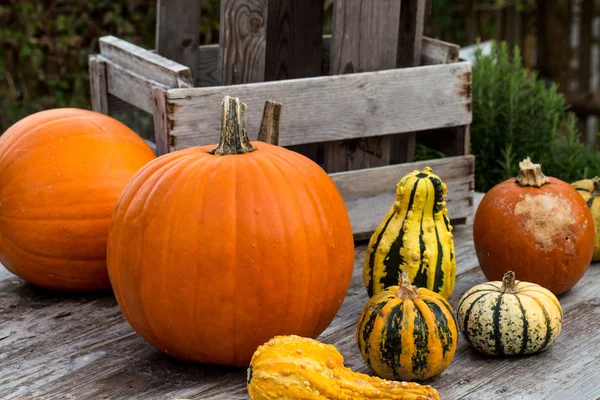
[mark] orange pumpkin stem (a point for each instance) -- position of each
(596, 182)
(234, 130)
(406, 290)
(269, 127)
(530, 174)
(508, 283)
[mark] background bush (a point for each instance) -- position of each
(516, 115)
(44, 46)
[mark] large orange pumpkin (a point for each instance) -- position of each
(213, 251)
(61, 174)
(537, 226)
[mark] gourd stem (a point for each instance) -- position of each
(234, 131)
(406, 290)
(530, 174)
(508, 283)
(596, 189)
(269, 127)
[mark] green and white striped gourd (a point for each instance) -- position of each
(414, 237)
(509, 317)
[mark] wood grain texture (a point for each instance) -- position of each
(412, 17)
(358, 105)
(98, 86)
(270, 123)
(433, 52)
(161, 122)
(242, 41)
(78, 346)
(178, 32)
(294, 39)
(129, 86)
(364, 38)
(146, 63)
(364, 35)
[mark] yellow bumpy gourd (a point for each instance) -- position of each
(294, 367)
(414, 237)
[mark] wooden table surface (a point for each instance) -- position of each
(79, 346)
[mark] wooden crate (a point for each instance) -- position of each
(355, 101)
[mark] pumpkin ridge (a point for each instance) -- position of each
(496, 321)
(421, 343)
(443, 331)
(164, 172)
(176, 170)
(549, 331)
(464, 299)
(525, 335)
(468, 315)
(294, 201)
(48, 256)
(368, 326)
(391, 338)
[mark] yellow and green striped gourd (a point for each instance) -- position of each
(589, 189)
(415, 236)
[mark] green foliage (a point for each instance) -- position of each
(44, 47)
(516, 115)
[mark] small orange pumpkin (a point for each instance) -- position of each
(537, 226)
(61, 174)
(213, 251)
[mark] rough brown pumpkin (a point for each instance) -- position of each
(212, 251)
(61, 174)
(537, 226)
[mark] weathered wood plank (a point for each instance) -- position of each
(209, 73)
(364, 35)
(178, 33)
(78, 346)
(438, 52)
(410, 43)
(335, 107)
(270, 123)
(433, 52)
(98, 86)
(453, 141)
(242, 41)
(146, 63)
(131, 87)
(161, 123)
(294, 39)
(364, 38)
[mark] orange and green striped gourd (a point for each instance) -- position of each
(407, 333)
(414, 237)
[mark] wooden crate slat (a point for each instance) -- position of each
(364, 38)
(208, 73)
(242, 41)
(369, 193)
(342, 107)
(364, 35)
(178, 32)
(130, 87)
(145, 63)
(294, 39)
(433, 52)
(98, 84)
(438, 52)
(412, 17)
